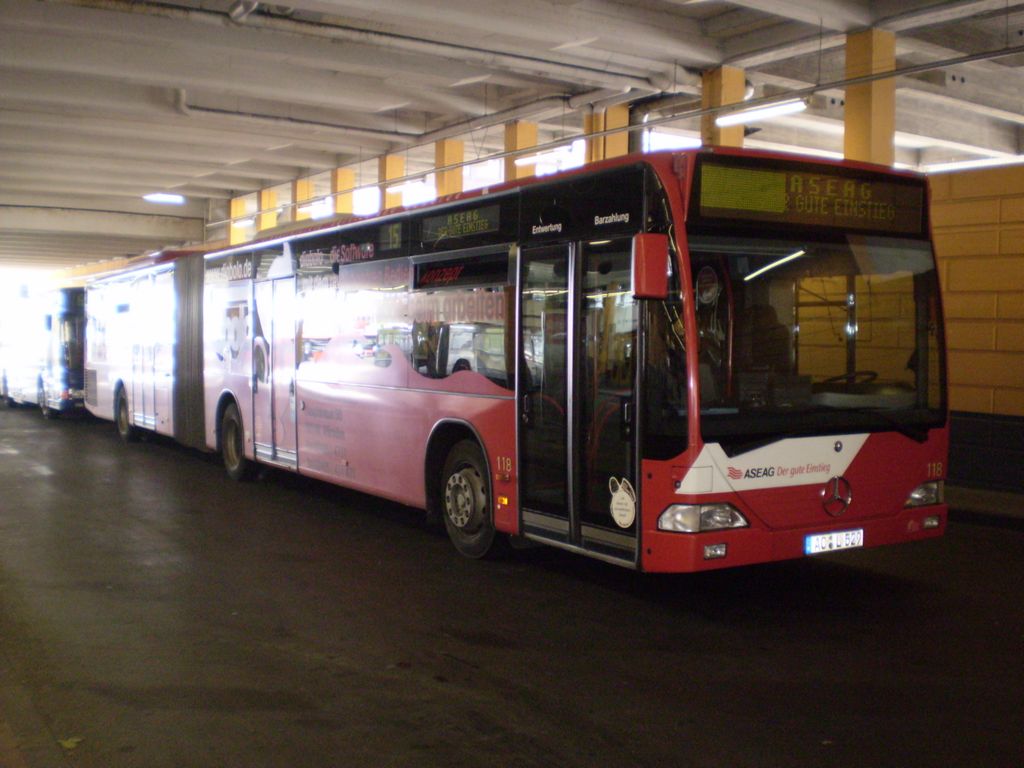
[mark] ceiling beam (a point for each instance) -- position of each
(895, 16)
(836, 15)
(213, 69)
(77, 222)
(544, 25)
(791, 40)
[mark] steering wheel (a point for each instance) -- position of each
(856, 377)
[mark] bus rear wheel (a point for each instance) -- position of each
(466, 500)
(232, 440)
(123, 420)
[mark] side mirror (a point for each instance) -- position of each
(650, 266)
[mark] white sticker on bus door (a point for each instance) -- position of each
(623, 504)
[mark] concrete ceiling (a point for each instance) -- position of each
(103, 101)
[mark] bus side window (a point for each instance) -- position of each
(425, 345)
(471, 337)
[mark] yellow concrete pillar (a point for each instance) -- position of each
(302, 196)
(870, 118)
(519, 135)
(237, 233)
(266, 203)
(722, 86)
(616, 144)
(390, 167)
(593, 122)
(448, 152)
(343, 182)
(613, 144)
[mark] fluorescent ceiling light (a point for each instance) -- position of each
(985, 162)
(166, 198)
(247, 222)
(789, 107)
(774, 264)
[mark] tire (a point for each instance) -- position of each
(466, 501)
(47, 411)
(122, 418)
(232, 445)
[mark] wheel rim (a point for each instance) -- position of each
(464, 499)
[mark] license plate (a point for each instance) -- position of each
(831, 542)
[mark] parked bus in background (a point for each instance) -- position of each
(41, 350)
(672, 362)
(143, 365)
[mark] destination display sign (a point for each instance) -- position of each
(472, 221)
(491, 269)
(795, 194)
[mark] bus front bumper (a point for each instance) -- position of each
(669, 552)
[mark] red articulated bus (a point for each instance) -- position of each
(672, 362)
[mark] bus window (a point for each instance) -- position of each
(440, 349)
(460, 316)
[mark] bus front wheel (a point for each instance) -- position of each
(466, 500)
(232, 438)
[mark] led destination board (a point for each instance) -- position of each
(795, 194)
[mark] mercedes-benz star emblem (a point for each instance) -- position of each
(836, 496)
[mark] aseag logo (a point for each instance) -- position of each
(751, 474)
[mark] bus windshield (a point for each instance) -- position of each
(829, 334)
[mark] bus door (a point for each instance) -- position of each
(273, 375)
(143, 360)
(577, 400)
(162, 307)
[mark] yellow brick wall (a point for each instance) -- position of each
(978, 221)
(885, 315)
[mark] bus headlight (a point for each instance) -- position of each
(694, 518)
(925, 495)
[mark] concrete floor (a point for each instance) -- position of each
(153, 613)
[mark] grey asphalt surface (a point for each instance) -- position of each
(153, 613)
